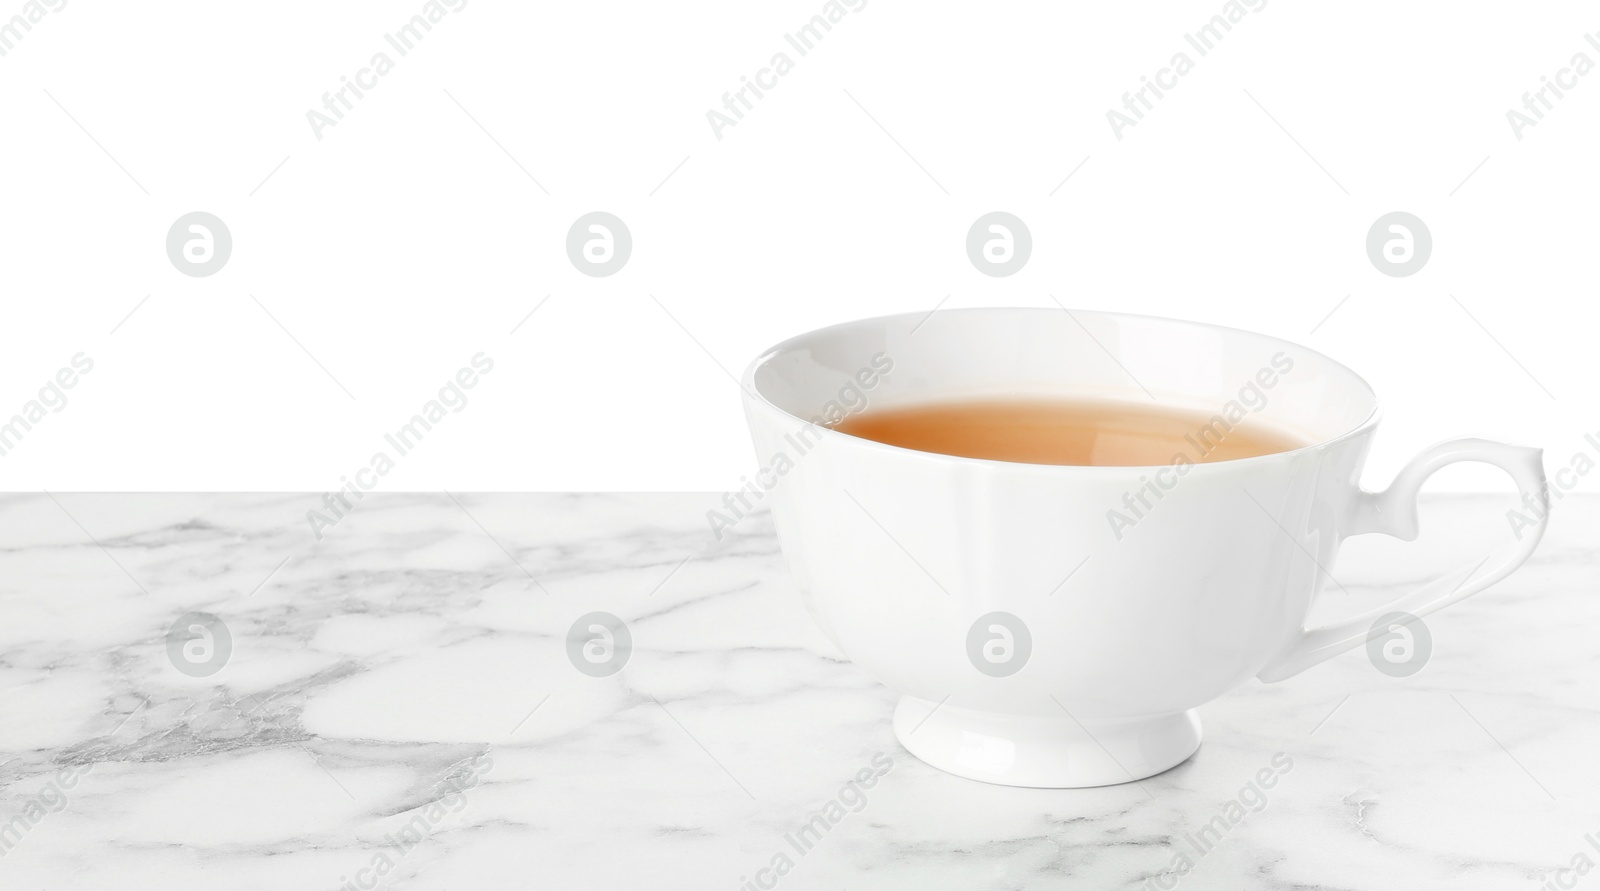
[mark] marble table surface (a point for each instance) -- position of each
(395, 705)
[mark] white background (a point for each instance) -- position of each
(412, 236)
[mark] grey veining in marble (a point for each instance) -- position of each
(399, 709)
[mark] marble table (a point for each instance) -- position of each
(397, 705)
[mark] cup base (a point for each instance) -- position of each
(1044, 752)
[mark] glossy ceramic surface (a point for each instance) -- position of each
(1057, 626)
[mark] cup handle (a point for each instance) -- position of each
(1394, 512)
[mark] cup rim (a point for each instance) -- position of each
(753, 396)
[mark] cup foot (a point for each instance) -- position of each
(1044, 752)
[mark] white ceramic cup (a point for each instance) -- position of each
(1057, 626)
